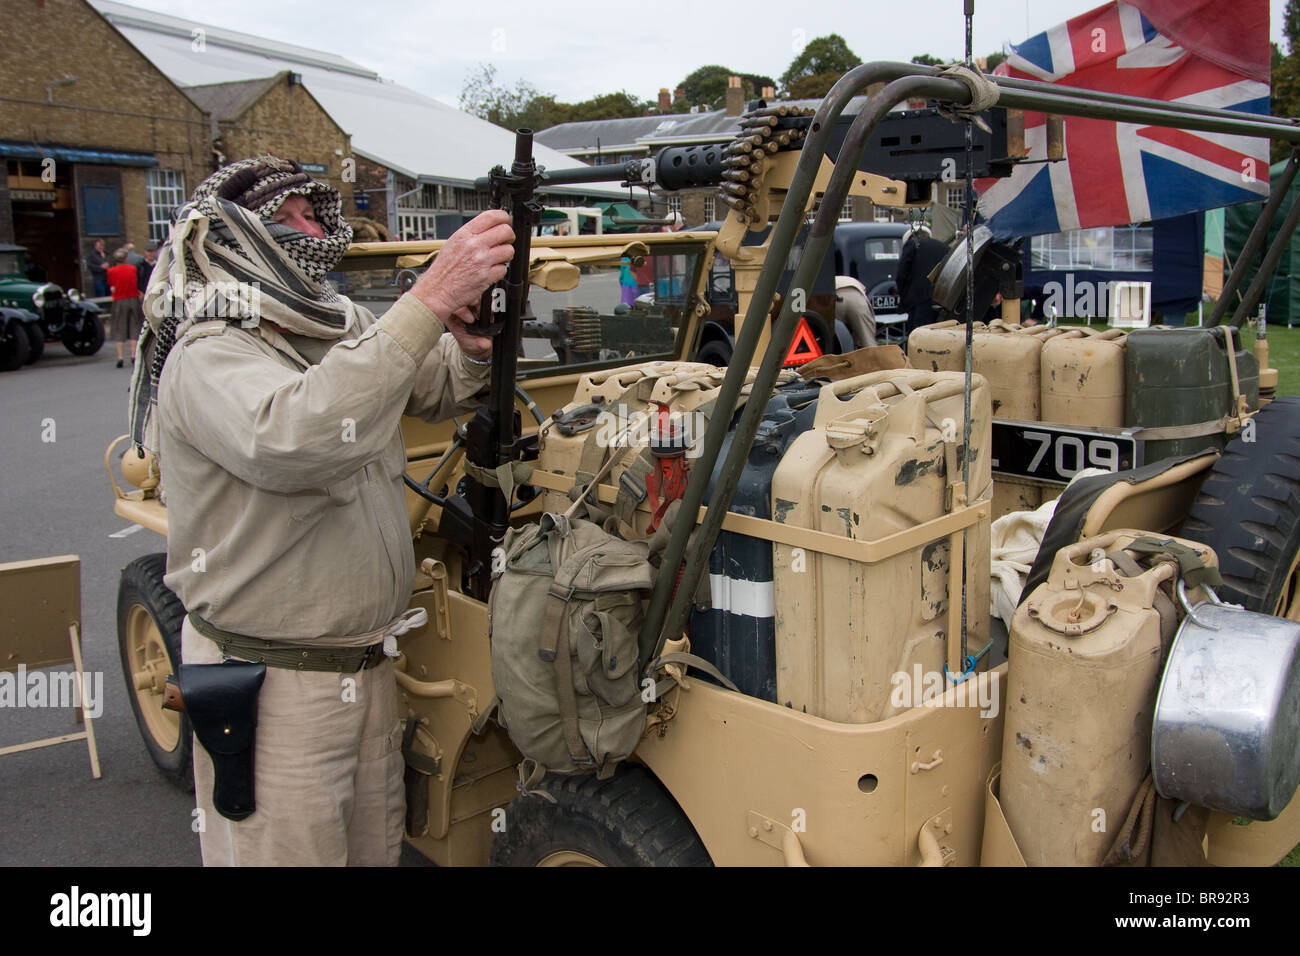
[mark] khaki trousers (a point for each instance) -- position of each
(327, 771)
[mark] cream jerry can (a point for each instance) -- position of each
(1083, 378)
(940, 347)
(622, 406)
(882, 459)
(1086, 656)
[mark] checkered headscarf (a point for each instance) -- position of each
(226, 234)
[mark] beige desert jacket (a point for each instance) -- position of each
(286, 510)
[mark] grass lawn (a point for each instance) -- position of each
(1283, 355)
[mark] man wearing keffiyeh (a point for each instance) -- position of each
(274, 405)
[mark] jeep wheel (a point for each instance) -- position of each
(36, 340)
(14, 346)
(149, 620)
(86, 337)
(1248, 511)
(716, 353)
(628, 820)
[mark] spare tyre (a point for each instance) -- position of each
(1248, 511)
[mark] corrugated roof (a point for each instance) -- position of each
(411, 133)
(228, 101)
(652, 131)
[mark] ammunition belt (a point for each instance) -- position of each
(302, 657)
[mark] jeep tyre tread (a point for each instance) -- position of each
(627, 820)
(1248, 511)
(149, 618)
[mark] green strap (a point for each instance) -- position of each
(301, 657)
(479, 723)
(1190, 565)
(690, 660)
(506, 476)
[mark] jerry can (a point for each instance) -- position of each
(881, 460)
(1083, 378)
(1086, 653)
(1183, 377)
(940, 347)
(737, 631)
(622, 405)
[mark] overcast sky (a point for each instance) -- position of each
(576, 49)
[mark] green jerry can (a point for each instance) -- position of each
(1182, 377)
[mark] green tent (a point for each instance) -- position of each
(1283, 295)
(620, 210)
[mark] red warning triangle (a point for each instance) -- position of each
(804, 347)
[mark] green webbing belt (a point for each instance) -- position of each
(1190, 566)
(301, 657)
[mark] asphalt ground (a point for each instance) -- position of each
(55, 499)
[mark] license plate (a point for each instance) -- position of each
(887, 303)
(1055, 454)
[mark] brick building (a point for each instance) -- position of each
(96, 141)
(277, 115)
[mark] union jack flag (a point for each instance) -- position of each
(1117, 173)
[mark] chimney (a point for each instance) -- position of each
(769, 92)
(665, 101)
(735, 97)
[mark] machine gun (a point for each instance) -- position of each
(478, 519)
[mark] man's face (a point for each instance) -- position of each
(151, 256)
(296, 213)
(99, 245)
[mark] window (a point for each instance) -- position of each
(846, 211)
(674, 203)
(710, 208)
(416, 225)
(882, 214)
(100, 207)
(955, 196)
(1109, 248)
(166, 191)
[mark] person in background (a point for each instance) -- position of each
(921, 253)
(127, 315)
(133, 258)
(97, 263)
(145, 268)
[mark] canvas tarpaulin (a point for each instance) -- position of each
(1283, 295)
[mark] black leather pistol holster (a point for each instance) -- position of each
(221, 701)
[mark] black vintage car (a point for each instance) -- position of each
(32, 311)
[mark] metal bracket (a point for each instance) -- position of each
(441, 603)
(933, 851)
(778, 836)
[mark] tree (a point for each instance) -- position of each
(993, 60)
(508, 108)
(1285, 71)
(606, 106)
(828, 54)
(926, 59)
(705, 86)
(811, 87)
